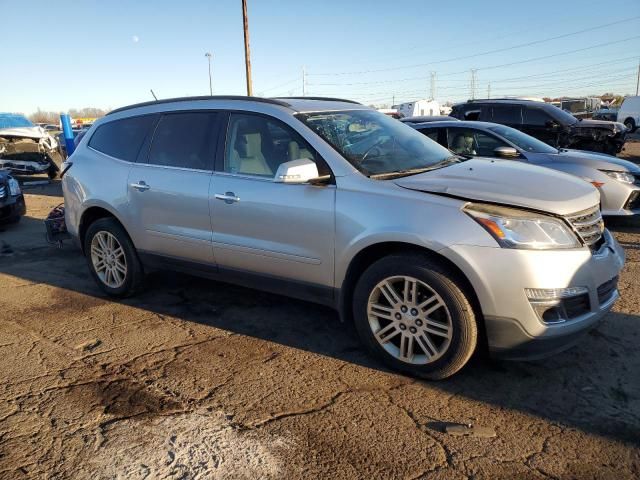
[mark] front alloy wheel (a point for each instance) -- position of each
(414, 313)
(409, 320)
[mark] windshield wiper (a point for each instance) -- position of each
(414, 171)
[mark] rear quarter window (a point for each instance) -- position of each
(122, 138)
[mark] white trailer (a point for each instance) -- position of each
(419, 108)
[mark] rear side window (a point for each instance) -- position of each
(185, 140)
(507, 114)
(431, 133)
(122, 138)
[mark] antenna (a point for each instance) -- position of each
(154, 95)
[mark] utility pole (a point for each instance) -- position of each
(433, 85)
(638, 79)
(489, 90)
(304, 82)
(393, 100)
(208, 55)
(473, 83)
(247, 54)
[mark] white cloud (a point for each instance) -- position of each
(135, 39)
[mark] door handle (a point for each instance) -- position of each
(141, 186)
(228, 197)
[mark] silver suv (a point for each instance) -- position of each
(332, 202)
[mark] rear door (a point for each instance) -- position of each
(260, 226)
(169, 191)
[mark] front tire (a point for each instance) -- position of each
(630, 124)
(411, 312)
(112, 258)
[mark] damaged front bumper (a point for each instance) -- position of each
(28, 156)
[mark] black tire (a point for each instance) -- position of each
(464, 336)
(135, 274)
(630, 124)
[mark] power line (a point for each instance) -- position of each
(281, 85)
(464, 57)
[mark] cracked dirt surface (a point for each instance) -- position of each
(194, 379)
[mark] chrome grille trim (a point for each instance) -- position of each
(3, 191)
(588, 224)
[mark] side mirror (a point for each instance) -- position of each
(506, 152)
(296, 171)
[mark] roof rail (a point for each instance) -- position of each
(505, 99)
(204, 97)
(327, 99)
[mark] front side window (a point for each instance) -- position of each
(522, 140)
(122, 138)
(258, 145)
(374, 143)
(185, 140)
(536, 117)
(466, 141)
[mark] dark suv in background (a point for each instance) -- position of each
(547, 123)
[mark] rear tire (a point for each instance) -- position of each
(112, 258)
(428, 328)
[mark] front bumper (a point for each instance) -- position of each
(24, 167)
(620, 199)
(500, 276)
(12, 207)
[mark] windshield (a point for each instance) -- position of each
(375, 143)
(522, 140)
(13, 120)
(562, 116)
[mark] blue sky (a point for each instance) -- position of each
(73, 54)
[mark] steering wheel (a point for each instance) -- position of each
(372, 148)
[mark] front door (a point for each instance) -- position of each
(169, 193)
(259, 226)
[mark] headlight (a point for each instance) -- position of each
(14, 187)
(513, 228)
(624, 177)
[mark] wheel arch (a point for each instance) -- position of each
(370, 254)
(90, 215)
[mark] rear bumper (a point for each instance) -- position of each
(12, 207)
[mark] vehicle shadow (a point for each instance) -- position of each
(591, 387)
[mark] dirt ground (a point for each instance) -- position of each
(194, 379)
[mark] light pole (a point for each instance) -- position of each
(208, 55)
(247, 54)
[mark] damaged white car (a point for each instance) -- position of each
(26, 149)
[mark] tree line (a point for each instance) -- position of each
(41, 116)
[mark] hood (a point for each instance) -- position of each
(26, 132)
(599, 161)
(599, 124)
(508, 183)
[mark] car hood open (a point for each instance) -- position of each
(509, 183)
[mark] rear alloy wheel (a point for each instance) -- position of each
(112, 258)
(108, 259)
(410, 311)
(630, 124)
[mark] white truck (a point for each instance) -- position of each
(418, 108)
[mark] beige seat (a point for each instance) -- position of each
(296, 153)
(247, 157)
(463, 144)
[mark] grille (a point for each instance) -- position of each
(588, 224)
(3, 191)
(606, 290)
